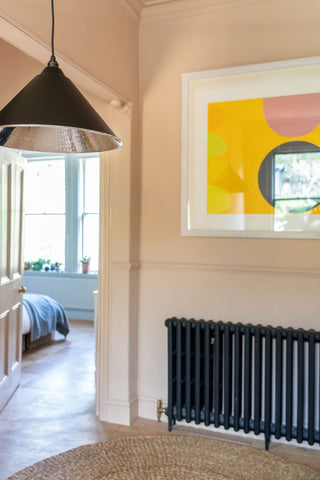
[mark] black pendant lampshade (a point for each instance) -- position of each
(51, 115)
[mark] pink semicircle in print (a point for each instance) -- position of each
(292, 115)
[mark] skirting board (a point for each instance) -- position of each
(122, 413)
(148, 410)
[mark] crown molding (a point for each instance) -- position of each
(164, 10)
(150, 3)
(157, 10)
(136, 6)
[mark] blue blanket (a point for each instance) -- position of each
(46, 315)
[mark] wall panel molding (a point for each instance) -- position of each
(248, 269)
(240, 269)
(128, 267)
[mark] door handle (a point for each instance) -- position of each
(22, 289)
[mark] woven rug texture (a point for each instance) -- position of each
(176, 457)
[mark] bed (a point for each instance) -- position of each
(41, 317)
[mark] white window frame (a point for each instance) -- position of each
(74, 204)
(82, 200)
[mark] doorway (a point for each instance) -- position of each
(61, 223)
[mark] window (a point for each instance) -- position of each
(297, 181)
(62, 210)
(289, 180)
(45, 210)
(289, 177)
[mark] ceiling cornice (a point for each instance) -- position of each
(162, 10)
(136, 5)
(150, 3)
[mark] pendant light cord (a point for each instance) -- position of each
(52, 30)
(52, 62)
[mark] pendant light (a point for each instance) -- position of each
(51, 115)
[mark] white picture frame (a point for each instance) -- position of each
(276, 79)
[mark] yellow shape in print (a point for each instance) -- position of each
(221, 174)
(217, 170)
(216, 117)
(239, 138)
(220, 199)
(216, 145)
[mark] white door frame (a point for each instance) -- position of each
(117, 400)
(116, 323)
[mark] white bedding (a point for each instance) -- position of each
(26, 321)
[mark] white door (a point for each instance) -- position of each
(11, 271)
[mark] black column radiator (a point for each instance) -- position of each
(249, 377)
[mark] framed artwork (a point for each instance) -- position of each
(251, 151)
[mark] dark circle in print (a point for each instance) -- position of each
(266, 175)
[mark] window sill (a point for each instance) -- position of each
(89, 275)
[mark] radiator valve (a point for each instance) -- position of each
(160, 410)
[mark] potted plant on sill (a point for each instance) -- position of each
(38, 265)
(85, 264)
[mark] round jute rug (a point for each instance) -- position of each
(165, 457)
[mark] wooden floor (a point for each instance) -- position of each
(54, 409)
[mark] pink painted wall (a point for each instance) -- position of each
(264, 281)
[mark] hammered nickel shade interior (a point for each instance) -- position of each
(51, 115)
